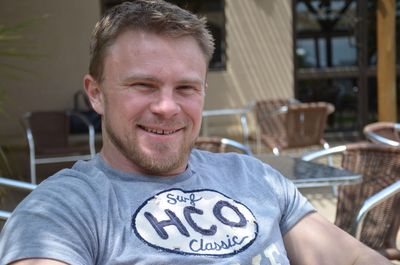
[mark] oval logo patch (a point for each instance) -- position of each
(200, 222)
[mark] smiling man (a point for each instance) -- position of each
(151, 98)
(148, 197)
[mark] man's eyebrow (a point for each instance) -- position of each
(137, 77)
(192, 81)
(149, 78)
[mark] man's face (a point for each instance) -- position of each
(151, 98)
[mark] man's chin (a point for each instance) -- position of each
(165, 161)
(163, 166)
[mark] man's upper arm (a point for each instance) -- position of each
(314, 240)
(38, 262)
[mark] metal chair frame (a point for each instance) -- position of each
(236, 144)
(56, 159)
(371, 132)
(243, 112)
(11, 183)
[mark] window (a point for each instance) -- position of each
(213, 10)
(325, 33)
(326, 57)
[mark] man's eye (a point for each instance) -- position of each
(187, 90)
(142, 86)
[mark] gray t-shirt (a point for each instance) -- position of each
(224, 209)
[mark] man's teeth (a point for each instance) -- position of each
(161, 132)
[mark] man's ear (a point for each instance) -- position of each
(94, 93)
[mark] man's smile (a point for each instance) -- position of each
(159, 131)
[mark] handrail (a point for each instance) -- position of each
(370, 203)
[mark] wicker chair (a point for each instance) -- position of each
(284, 125)
(383, 132)
(48, 132)
(378, 195)
(221, 145)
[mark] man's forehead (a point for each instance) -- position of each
(132, 37)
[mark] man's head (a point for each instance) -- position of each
(156, 16)
(147, 80)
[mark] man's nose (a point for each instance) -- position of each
(165, 104)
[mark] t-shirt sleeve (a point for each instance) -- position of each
(293, 205)
(49, 224)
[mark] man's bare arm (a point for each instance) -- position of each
(316, 241)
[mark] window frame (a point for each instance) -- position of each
(217, 7)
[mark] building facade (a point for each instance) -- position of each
(257, 46)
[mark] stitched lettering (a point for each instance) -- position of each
(217, 210)
(159, 225)
(174, 199)
(202, 245)
(188, 211)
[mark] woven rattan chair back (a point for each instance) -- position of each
(305, 124)
(380, 167)
(285, 125)
(268, 116)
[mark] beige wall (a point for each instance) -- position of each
(259, 52)
(260, 60)
(59, 38)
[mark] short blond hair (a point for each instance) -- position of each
(156, 16)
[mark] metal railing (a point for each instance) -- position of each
(15, 184)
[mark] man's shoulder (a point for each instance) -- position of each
(231, 159)
(81, 174)
(207, 155)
